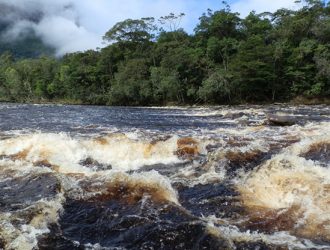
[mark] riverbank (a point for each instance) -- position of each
(300, 100)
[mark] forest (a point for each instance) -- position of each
(262, 58)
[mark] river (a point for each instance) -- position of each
(87, 177)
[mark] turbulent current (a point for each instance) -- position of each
(75, 177)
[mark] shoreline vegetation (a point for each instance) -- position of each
(280, 57)
(300, 100)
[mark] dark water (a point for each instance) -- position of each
(87, 118)
(84, 177)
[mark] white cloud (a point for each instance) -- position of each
(65, 35)
(101, 15)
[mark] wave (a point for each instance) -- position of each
(234, 187)
(290, 193)
(114, 151)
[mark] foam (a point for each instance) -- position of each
(290, 193)
(24, 237)
(66, 153)
(129, 188)
(286, 199)
(284, 239)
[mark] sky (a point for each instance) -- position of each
(76, 25)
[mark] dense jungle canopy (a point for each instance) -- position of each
(262, 58)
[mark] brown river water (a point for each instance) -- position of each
(85, 177)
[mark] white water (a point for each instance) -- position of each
(285, 192)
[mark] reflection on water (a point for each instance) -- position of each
(75, 177)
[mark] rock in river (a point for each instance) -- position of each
(281, 120)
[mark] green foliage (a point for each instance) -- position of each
(166, 85)
(265, 57)
(220, 24)
(137, 30)
(131, 84)
(217, 88)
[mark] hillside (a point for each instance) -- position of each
(27, 45)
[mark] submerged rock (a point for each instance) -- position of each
(320, 152)
(233, 115)
(187, 147)
(91, 163)
(163, 169)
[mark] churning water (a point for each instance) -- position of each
(75, 177)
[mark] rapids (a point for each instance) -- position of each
(84, 177)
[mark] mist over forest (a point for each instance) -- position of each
(228, 59)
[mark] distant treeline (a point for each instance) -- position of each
(266, 57)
